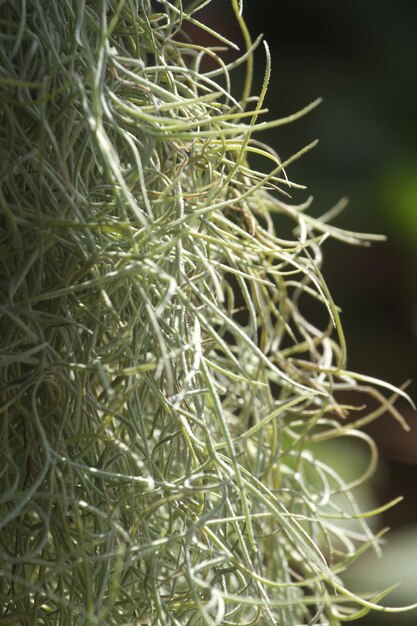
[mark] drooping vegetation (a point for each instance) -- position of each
(162, 387)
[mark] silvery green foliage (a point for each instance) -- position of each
(162, 389)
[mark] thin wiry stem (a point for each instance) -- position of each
(163, 390)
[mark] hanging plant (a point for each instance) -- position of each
(162, 387)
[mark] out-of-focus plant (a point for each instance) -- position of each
(398, 191)
(162, 391)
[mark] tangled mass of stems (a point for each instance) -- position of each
(161, 388)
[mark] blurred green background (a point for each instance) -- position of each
(361, 57)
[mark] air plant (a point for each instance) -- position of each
(162, 388)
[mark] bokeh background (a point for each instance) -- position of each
(361, 57)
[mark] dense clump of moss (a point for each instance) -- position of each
(161, 388)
